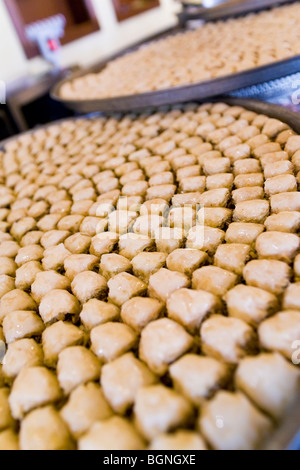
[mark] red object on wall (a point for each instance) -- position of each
(53, 45)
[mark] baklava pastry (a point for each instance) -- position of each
(190, 307)
(271, 275)
(225, 433)
(34, 387)
(114, 433)
(244, 233)
(89, 285)
(291, 298)
(46, 281)
(96, 312)
(57, 337)
(6, 419)
(21, 354)
(21, 324)
(278, 245)
(213, 279)
(253, 211)
(164, 282)
(75, 264)
(111, 340)
(255, 377)
(76, 366)
(250, 304)
(7, 284)
(86, 405)
(123, 287)
(9, 440)
(232, 257)
(44, 429)
(126, 375)
(186, 261)
(288, 222)
(160, 409)
(280, 332)
(144, 265)
(198, 377)
(227, 339)
(179, 440)
(139, 311)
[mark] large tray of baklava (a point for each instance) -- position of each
(217, 58)
(150, 281)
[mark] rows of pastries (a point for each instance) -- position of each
(149, 281)
(217, 49)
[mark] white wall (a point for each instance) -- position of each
(113, 37)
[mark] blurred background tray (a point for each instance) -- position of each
(197, 91)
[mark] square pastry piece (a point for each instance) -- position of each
(21, 354)
(179, 440)
(232, 257)
(44, 429)
(85, 406)
(245, 233)
(115, 433)
(160, 409)
(250, 304)
(272, 393)
(224, 422)
(140, 311)
(164, 282)
(227, 339)
(162, 342)
(213, 279)
(198, 377)
(111, 340)
(122, 378)
(123, 287)
(291, 299)
(271, 275)
(186, 261)
(146, 264)
(281, 333)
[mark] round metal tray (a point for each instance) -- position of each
(272, 110)
(285, 437)
(199, 91)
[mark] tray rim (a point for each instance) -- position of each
(287, 436)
